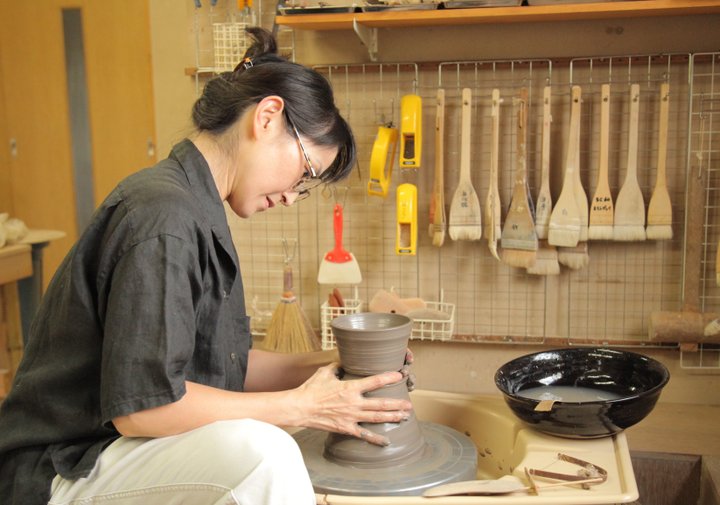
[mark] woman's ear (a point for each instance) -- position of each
(269, 118)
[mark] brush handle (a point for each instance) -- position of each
(661, 180)
(438, 212)
(544, 199)
(521, 168)
(571, 160)
(604, 136)
(465, 135)
(631, 175)
(493, 199)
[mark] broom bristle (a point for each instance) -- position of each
(289, 330)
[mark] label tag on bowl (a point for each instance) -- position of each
(545, 406)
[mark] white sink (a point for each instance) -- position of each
(506, 447)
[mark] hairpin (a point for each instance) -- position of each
(247, 63)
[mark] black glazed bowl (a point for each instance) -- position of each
(635, 378)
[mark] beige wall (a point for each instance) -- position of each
(457, 367)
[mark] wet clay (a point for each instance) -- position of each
(368, 344)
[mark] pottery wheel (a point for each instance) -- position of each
(449, 456)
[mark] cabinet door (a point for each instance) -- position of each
(116, 46)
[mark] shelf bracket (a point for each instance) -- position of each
(369, 38)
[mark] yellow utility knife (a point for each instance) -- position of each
(382, 159)
(410, 131)
(406, 240)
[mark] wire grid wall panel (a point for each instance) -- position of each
(704, 155)
(625, 282)
(609, 301)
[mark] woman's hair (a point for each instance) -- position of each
(308, 97)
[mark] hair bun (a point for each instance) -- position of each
(263, 43)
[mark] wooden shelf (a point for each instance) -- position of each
(539, 13)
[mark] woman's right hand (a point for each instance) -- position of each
(329, 404)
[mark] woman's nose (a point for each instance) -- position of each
(288, 198)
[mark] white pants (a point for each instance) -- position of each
(242, 462)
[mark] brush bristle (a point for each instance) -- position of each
(339, 273)
(465, 232)
(659, 232)
(629, 233)
(546, 261)
(518, 259)
(492, 245)
(564, 237)
(574, 258)
(600, 232)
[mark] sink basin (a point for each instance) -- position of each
(507, 446)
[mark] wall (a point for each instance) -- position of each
(443, 366)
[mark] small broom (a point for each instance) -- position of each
(289, 330)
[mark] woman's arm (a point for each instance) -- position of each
(322, 402)
(274, 371)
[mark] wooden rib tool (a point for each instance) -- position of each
(493, 207)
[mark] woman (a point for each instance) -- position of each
(139, 384)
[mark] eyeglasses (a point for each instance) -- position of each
(310, 178)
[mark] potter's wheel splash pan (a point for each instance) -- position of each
(449, 456)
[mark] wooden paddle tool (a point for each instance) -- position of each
(465, 213)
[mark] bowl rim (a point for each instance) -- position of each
(646, 393)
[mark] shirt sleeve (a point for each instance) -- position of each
(149, 326)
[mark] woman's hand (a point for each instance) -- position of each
(333, 405)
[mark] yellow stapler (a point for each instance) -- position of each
(410, 131)
(382, 159)
(406, 240)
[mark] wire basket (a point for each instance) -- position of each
(328, 313)
(230, 42)
(435, 329)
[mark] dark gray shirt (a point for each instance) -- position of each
(148, 298)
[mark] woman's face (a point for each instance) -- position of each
(271, 165)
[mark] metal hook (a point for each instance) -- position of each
(289, 256)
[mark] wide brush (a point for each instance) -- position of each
(493, 208)
(629, 224)
(601, 205)
(465, 213)
(564, 228)
(519, 240)
(659, 218)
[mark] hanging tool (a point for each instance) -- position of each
(382, 160)
(519, 240)
(410, 131)
(339, 266)
(493, 207)
(465, 214)
(601, 207)
(406, 239)
(437, 201)
(629, 223)
(659, 218)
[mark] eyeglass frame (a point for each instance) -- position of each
(310, 179)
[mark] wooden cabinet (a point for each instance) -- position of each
(37, 165)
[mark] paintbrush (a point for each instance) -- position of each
(546, 260)
(577, 257)
(465, 214)
(519, 240)
(659, 217)
(564, 227)
(493, 207)
(543, 206)
(437, 202)
(629, 222)
(601, 207)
